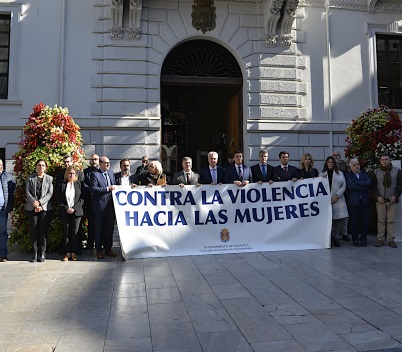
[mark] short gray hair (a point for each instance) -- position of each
(351, 161)
(213, 153)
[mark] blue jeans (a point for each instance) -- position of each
(3, 233)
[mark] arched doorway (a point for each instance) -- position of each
(201, 102)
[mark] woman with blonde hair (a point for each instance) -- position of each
(70, 197)
(154, 176)
(306, 169)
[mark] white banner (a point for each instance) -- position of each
(173, 221)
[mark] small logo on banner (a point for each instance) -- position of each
(225, 235)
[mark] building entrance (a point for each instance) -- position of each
(201, 96)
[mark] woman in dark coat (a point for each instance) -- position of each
(70, 197)
(306, 169)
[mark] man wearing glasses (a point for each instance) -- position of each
(341, 163)
(67, 161)
(102, 184)
(93, 166)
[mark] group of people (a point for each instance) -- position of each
(89, 193)
(350, 189)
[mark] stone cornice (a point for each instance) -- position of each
(246, 1)
(361, 5)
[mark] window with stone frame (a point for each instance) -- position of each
(5, 21)
(389, 70)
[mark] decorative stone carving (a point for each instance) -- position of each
(272, 14)
(134, 33)
(116, 31)
(134, 30)
(204, 15)
(270, 40)
(371, 5)
(286, 22)
(285, 39)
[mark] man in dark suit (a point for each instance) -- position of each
(143, 169)
(285, 172)
(102, 185)
(93, 166)
(341, 163)
(238, 173)
(212, 174)
(262, 172)
(358, 184)
(68, 161)
(186, 176)
(125, 177)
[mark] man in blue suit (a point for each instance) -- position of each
(102, 185)
(212, 174)
(263, 172)
(238, 173)
(284, 171)
(358, 184)
(93, 166)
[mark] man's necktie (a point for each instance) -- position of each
(214, 178)
(264, 171)
(286, 170)
(107, 179)
(188, 178)
(240, 174)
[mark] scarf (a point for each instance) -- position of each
(387, 176)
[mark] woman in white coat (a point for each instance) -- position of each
(337, 185)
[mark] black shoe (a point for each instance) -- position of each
(363, 244)
(42, 258)
(345, 238)
(355, 243)
(336, 243)
(34, 258)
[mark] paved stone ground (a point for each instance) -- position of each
(342, 299)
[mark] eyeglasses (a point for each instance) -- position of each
(94, 159)
(105, 162)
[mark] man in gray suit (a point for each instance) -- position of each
(186, 176)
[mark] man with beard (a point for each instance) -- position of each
(93, 166)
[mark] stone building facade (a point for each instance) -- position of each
(168, 78)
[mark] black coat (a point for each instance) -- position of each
(78, 199)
